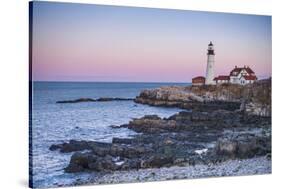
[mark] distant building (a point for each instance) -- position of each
(239, 75)
(222, 79)
(200, 80)
(242, 75)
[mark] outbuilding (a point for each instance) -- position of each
(222, 79)
(200, 80)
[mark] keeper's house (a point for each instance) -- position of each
(242, 75)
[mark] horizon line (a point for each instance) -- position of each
(110, 81)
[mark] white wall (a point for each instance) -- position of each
(210, 70)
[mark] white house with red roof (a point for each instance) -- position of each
(239, 75)
(242, 75)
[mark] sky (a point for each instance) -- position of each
(84, 42)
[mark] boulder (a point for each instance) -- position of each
(80, 162)
(71, 146)
(227, 148)
(90, 162)
(156, 161)
(245, 146)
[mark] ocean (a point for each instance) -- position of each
(54, 123)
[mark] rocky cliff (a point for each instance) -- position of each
(253, 99)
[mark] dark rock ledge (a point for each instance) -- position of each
(184, 138)
(102, 99)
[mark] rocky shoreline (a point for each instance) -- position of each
(218, 128)
(253, 98)
(257, 166)
(186, 137)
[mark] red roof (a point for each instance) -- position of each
(237, 70)
(222, 77)
(199, 79)
(249, 70)
(250, 77)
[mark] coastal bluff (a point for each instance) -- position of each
(253, 99)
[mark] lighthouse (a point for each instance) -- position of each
(210, 65)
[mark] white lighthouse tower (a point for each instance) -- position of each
(210, 65)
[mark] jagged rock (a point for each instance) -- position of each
(156, 161)
(88, 161)
(72, 146)
(105, 99)
(115, 126)
(254, 99)
(180, 138)
(245, 146)
(102, 99)
(122, 140)
(227, 148)
(76, 100)
(80, 162)
(151, 125)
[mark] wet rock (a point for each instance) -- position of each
(151, 124)
(122, 140)
(104, 164)
(71, 146)
(89, 162)
(74, 146)
(80, 162)
(105, 99)
(131, 164)
(102, 99)
(100, 148)
(187, 137)
(227, 148)
(245, 146)
(54, 147)
(76, 100)
(115, 126)
(156, 161)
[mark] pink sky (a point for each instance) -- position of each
(101, 43)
